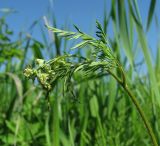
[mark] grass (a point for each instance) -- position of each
(88, 91)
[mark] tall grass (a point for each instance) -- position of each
(91, 110)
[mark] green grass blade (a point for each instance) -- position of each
(158, 58)
(112, 95)
(150, 13)
(146, 52)
(17, 82)
(124, 32)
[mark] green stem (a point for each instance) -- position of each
(136, 103)
(142, 114)
(55, 122)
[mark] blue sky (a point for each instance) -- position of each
(80, 12)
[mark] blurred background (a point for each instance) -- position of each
(103, 113)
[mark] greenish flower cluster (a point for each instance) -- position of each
(43, 73)
(48, 73)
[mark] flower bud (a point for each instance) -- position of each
(28, 72)
(40, 62)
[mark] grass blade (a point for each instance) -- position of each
(150, 13)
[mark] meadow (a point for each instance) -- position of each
(81, 89)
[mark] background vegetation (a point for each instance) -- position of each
(98, 112)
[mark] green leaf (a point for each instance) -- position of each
(8, 139)
(80, 45)
(158, 58)
(146, 52)
(11, 126)
(150, 13)
(124, 31)
(18, 83)
(64, 139)
(69, 34)
(36, 47)
(72, 132)
(112, 95)
(61, 33)
(94, 108)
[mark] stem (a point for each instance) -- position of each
(136, 103)
(142, 114)
(138, 107)
(56, 120)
